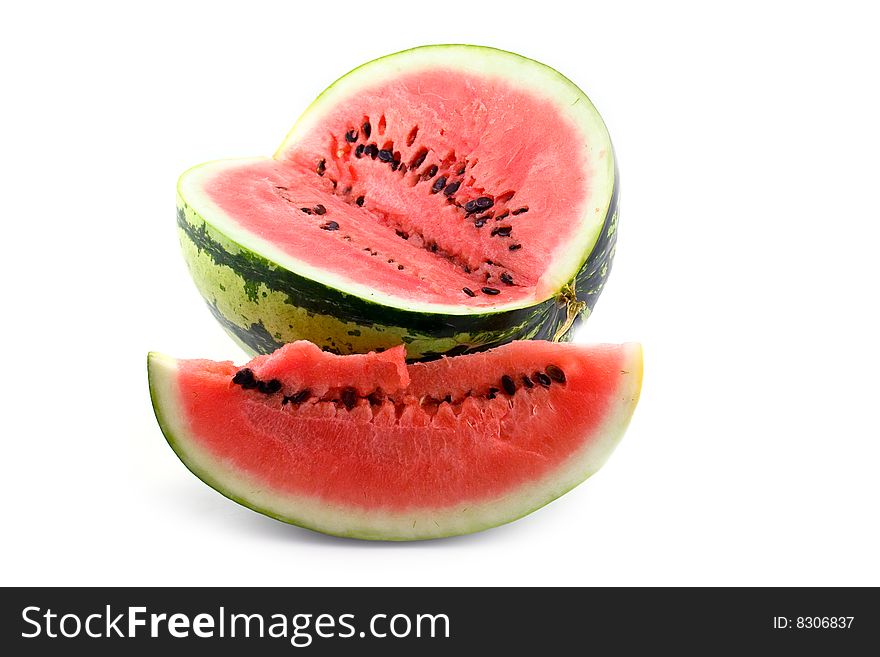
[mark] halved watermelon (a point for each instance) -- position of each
(447, 197)
(368, 447)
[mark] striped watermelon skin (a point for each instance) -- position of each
(262, 305)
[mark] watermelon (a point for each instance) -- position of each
(367, 446)
(451, 198)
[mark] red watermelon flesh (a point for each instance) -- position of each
(381, 184)
(398, 451)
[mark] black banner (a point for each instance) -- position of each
(422, 621)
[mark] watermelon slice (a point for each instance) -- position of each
(398, 452)
(448, 197)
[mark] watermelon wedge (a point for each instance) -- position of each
(367, 446)
(451, 198)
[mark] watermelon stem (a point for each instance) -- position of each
(574, 307)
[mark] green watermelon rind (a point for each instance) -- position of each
(415, 524)
(263, 304)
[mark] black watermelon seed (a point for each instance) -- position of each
(273, 386)
(351, 136)
(359, 151)
(491, 291)
(400, 267)
(492, 393)
(395, 165)
(376, 397)
(468, 291)
(372, 150)
(320, 209)
(506, 278)
(470, 207)
(367, 129)
(452, 188)
(322, 167)
(432, 171)
(244, 376)
(348, 397)
(504, 231)
(555, 373)
(520, 211)
(360, 201)
(306, 210)
(479, 222)
(502, 215)
(402, 234)
(447, 399)
(527, 382)
(439, 184)
(434, 247)
(263, 387)
(542, 378)
(299, 397)
(419, 160)
(385, 155)
(484, 202)
(330, 225)
(462, 170)
(508, 385)
(514, 247)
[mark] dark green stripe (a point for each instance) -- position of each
(254, 336)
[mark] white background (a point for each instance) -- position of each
(748, 143)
